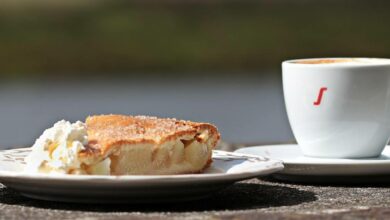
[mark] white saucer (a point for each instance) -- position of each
(301, 168)
(226, 169)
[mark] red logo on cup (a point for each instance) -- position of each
(320, 94)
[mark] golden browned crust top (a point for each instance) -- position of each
(105, 131)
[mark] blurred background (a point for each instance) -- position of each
(202, 60)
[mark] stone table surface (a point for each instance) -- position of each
(251, 199)
(244, 200)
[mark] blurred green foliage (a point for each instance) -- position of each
(119, 37)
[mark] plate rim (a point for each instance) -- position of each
(319, 161)
(275, 165)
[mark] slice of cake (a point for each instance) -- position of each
(124, 145)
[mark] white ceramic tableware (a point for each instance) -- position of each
(226, 169)
(338, 109)
(323, 170)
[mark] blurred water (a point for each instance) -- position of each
(246, 110)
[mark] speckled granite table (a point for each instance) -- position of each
(251, 199)
(246, 200)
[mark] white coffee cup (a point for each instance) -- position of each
(338, 107)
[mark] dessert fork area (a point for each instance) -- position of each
(250, 199)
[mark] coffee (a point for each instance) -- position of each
(342, 60)
(324, 61)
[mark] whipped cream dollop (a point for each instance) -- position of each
(57, 149)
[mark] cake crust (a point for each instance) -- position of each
(109, 131)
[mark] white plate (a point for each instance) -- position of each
(301, 168)
(226, 169)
